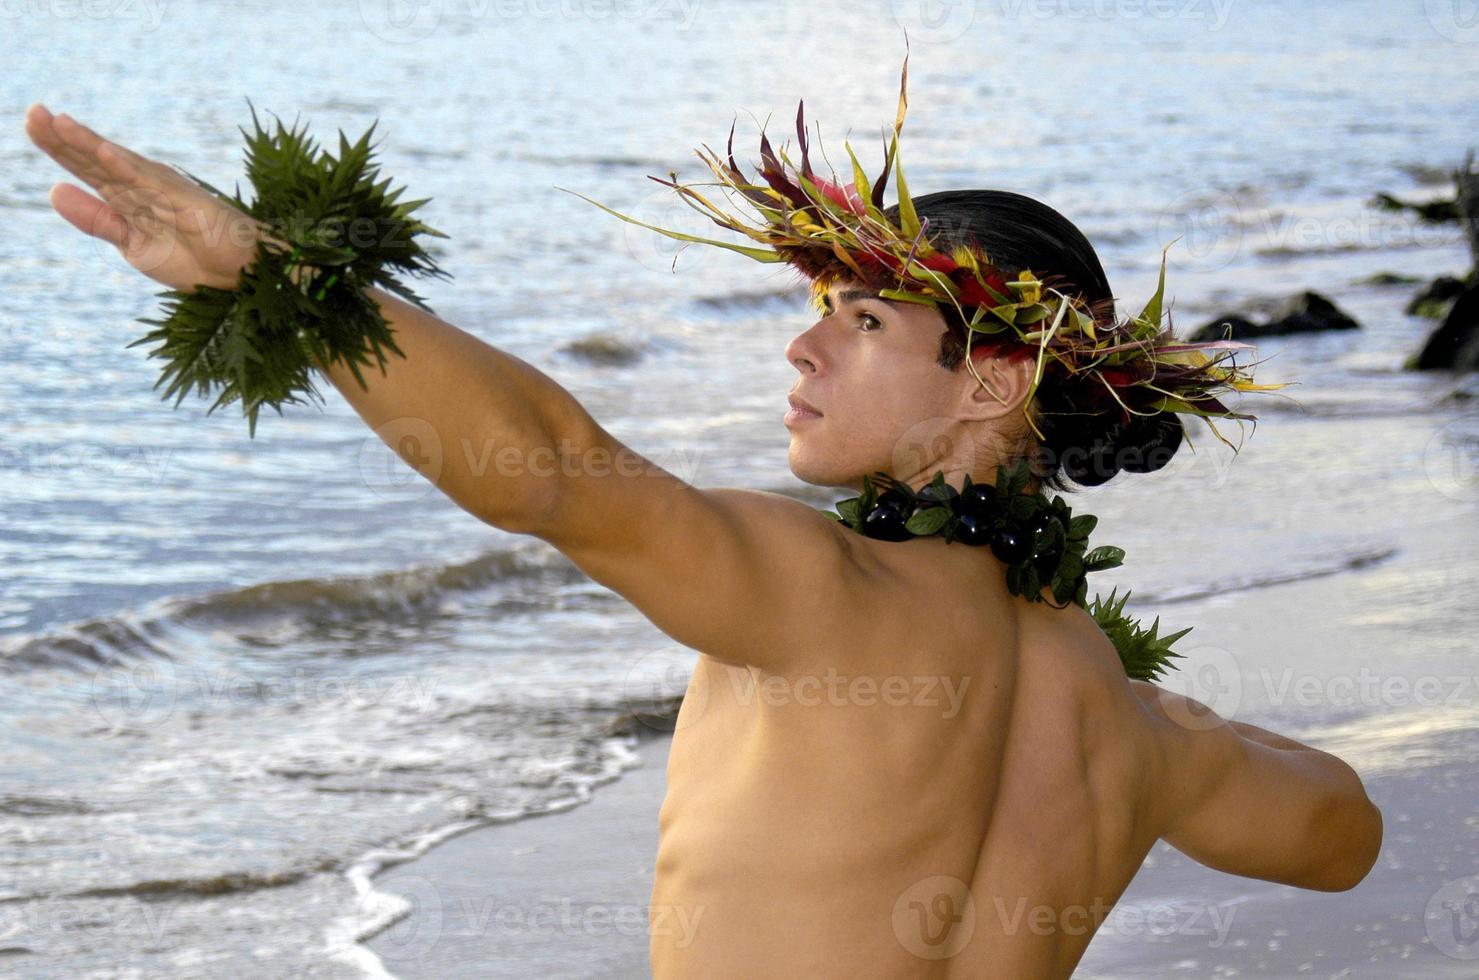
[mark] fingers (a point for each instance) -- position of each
(119, 163)
(115, 158)
(43, 129)
(87, 213)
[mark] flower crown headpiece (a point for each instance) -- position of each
(826, 231)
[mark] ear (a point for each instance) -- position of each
(1002, 387)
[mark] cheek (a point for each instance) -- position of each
(885, 406)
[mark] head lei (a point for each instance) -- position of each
(827, 231)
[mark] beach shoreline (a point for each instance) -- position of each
(557, 894)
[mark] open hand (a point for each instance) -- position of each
(164, 224)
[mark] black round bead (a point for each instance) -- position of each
(887, 523)
(897, 499)
(978, 499)
(1010, 545)
(1047, 561)
(972, 529)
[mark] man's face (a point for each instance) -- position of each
(869, 366)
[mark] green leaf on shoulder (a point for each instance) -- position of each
(1082, 525)
(929, 520)
(1144, 654)
(1106, 556)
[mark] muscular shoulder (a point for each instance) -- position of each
(747, 576)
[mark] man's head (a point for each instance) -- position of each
(896, 395)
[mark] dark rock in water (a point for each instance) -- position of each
(1387, 279)
(1435, 212)
(1305, 313)
(1218, 329)
(1309, 311)
(1434, 298)
(1454, 345)
(603, 350)
(755, 301)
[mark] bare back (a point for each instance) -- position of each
(949, 789)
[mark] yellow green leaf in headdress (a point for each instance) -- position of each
(908, 219)
(1028, 315)
(860, 181)
(1151, 315)
(906, 296)
(1085, 324)
(1027, 286)
(758, 254)
(1008, 314)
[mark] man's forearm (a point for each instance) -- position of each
(483, 425)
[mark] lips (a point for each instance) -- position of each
(801, 405)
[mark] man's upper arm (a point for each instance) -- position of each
(748, 577)
(1239, 806)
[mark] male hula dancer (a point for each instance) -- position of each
(898, 755)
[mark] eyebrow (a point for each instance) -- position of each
(853, 295)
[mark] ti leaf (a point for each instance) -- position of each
(1145, 655)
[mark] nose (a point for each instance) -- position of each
(801, 352)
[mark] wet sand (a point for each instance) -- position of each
(559, 895)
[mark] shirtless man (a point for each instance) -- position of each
(885, 764)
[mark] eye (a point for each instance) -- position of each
(864, 315)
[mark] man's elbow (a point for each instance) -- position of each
(1353, 830)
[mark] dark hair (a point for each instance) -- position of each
(1085, 442)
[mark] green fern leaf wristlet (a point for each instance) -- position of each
(331, 232)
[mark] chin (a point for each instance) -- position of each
(807, 468)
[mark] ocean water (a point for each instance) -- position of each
(237, 676)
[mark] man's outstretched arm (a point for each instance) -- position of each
(1241, 799)
(481, 424)
(744, 576)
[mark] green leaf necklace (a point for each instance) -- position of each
(1039, 540)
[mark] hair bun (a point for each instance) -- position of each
(1088, 449)
(1094, 449)
(1147, 442)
